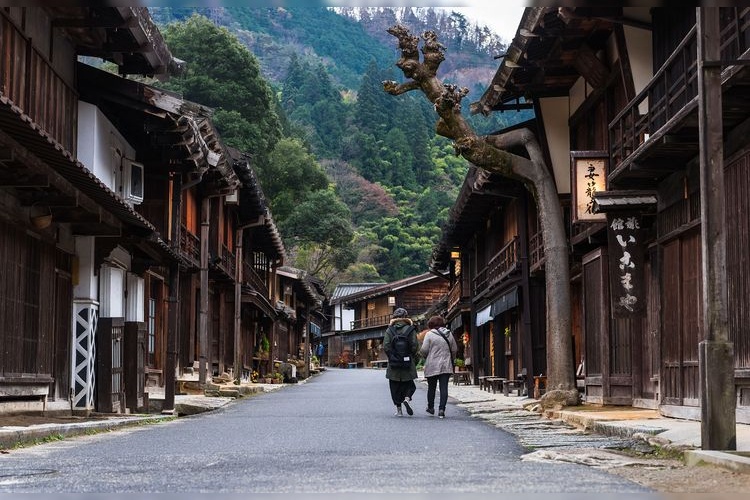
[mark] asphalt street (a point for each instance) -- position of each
(334, 434)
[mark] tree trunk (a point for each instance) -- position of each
(491, 154)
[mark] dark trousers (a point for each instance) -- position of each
(400, 389)
(432, 383)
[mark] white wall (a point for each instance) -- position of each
(639, 43)
(555, 114)
(342, 318)
(100, 144)
(85, 282)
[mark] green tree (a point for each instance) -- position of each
(290, 174)
(222, 74)
(320, 234)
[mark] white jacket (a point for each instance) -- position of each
(439, 357)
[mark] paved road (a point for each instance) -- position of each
(334, 434)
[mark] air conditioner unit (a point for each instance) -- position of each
(131, 181)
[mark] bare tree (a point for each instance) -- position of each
(491, 154)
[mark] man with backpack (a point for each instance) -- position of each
(401, 346)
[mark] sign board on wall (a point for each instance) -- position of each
(588, 176)
(626, 263)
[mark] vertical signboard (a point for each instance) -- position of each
(626, 261)
(589, 174)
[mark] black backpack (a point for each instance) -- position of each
(400, 354)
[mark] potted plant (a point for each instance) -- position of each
(459, 364)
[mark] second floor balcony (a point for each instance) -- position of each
(658, 130)
(499, 267)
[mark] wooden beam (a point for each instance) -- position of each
(590, 67)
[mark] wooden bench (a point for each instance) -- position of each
(493, 383)
(516, 385)
(462, 377)
(483, 381)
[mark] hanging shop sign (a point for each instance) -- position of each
(589, 173)
(626, 262)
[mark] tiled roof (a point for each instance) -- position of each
(346, 289)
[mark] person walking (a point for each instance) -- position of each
(439, 348)
(401, 346)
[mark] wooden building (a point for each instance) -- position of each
(495, 306)
(134, 245)
(616, 95)
(69, 233)
(299, 305)
(373, 308)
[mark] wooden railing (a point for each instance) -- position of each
(670, 90)
(455, 294)
(227, 262)
(673, 88)
(31, 82)
(371, 322)
(536, 251)
(190, 246)
(500, 265)
(250, 277)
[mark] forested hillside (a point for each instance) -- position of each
(358, 181)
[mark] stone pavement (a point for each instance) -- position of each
(619, 422)
(62, 427)
(517, 413)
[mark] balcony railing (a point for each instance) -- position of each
(500, 266)
(251, 278)
(30, 81)
(536, 251)
(455, 294)
(371, 322)
(190, 246)
(227, 262)
(672, 92)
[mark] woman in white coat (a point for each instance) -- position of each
(439, 348)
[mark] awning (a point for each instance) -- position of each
(371, 334)
(507, 301)
(456, 322)
(484, 315)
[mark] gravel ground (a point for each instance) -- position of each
(673, 476)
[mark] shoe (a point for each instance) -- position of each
(398, 413)
(441, 414)
(431, 411)
(408, 408)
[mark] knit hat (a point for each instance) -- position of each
(400, 313)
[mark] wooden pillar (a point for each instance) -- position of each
(173, 301)
(204, 293)
(527, 339)
(716, 359)
(238, 260)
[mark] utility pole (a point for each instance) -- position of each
(715, 355)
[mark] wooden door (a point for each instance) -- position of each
(646, 363)
(682, 319)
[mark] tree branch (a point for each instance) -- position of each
(394, 88)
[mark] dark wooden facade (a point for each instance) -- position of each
(53, 208)
(197, 249)
(639, 104)
(495, 303)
